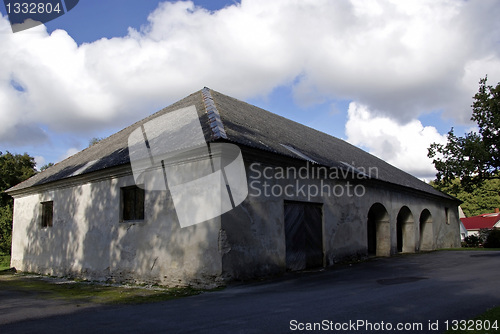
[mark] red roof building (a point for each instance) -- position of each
(486, 220)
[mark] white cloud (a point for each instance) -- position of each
(404, 57)
(404, 146)
(40, 161)
(399, 58)
(71, 151)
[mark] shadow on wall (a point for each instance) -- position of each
(252, 240)
(88, 240)
(50, 250)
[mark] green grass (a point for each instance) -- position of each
(492, 315)
(87, 292)
(4, 261)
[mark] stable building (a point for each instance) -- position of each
(285, 198)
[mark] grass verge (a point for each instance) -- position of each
(89, 292)
(490, 318)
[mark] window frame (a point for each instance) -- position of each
(46, 215)
(137, 212)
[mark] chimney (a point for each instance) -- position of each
(497, 210)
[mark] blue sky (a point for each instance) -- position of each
(388, 76)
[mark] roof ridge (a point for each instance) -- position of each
(213, 114)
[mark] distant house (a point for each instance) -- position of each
(313, 200)
(463, 230)
(484, 221)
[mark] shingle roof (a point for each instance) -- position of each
(225, 118)
(487, 220)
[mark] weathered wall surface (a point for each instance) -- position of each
(254, 242)
(88, 240)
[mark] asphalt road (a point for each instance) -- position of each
(420, 292)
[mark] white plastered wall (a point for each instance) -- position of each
(88, 240)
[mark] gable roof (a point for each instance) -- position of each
(487, 220)
(226, 118)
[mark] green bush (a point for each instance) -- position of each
(493, 239)
(472, 241)
(5, 229)
(4, 261)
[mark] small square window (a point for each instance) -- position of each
(47, 214)
(132, 203)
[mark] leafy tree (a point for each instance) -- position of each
(14, 168)
(5, 229)
(474, 157)
(479, 199)
(44, 167)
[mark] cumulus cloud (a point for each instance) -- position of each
(40, 161)
(404, 146)
(69, 152)
(399, 58)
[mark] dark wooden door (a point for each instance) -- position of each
(304, 235)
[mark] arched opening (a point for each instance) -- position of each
(378, 231)
(405, 231)
(426, 233)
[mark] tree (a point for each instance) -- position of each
(474, 157)
(94, 141)
(14, 168)
(481, 198)
(5, 229)
(44, 167)
(493, 239)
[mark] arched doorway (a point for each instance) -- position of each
(405, 231)
(378, 231)
(426, 233)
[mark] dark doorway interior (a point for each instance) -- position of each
(372, 236)
(399, 231)
(304, 235)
